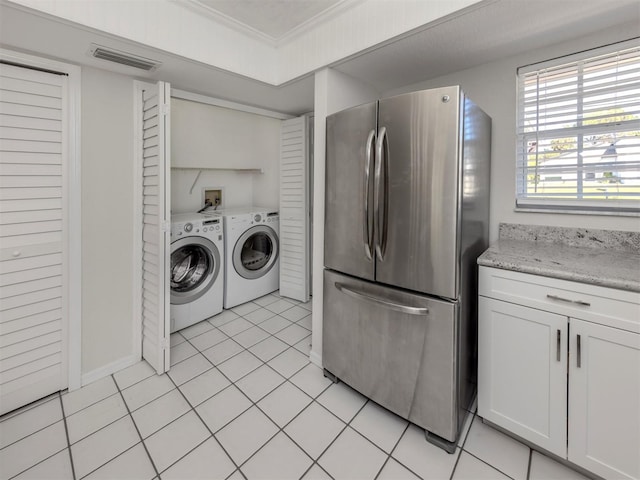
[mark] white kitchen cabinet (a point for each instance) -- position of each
(580, 402)
(604, 400)
(522, 381)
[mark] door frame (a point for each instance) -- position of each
(72, 194)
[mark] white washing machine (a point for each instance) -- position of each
(252, 253)
(197, 268)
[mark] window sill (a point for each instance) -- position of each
(560, 210)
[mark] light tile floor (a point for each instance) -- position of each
(242, 400)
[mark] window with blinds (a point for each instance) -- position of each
(578, 143)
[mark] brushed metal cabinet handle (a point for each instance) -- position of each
(568, 300)
(579, 352)
(558, 342)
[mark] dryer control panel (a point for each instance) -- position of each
(265, 217)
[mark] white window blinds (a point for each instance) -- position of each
(578, 144)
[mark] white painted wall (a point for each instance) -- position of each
(170, 26)
(240, 188)
(107, 219)
(367, 23)
(209, 136)
(334, 91)
(176, 27)
(219, 140)
(493, 87)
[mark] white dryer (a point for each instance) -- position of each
(252, 253)
(197, 268)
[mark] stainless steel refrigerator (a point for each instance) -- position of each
(406, 216)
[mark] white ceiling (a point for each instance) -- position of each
(274, 20)
(492, 30)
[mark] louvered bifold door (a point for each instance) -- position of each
(294, 209)
(33, 325)
(155, 229)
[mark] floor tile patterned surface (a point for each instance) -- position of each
(242, 400)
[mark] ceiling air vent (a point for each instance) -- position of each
(123, 58)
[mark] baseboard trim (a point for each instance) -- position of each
(315, 358)
(108, 369)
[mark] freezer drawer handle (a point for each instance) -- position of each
(370, 298)
(367, 233)
(561, 299)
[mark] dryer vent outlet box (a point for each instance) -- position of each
(213, 196)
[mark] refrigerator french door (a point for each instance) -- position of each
(406, 215)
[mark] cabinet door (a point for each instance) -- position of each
(155, 125)
(34, 256)
(604, 400)
(522, 372)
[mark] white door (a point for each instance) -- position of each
(33, 219)
(522, 372)
(156, 206)
(604, 400)
(294, 209)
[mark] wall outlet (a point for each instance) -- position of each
(214, 196)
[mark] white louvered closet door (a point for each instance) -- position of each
(294, 209)
(33, 273)
(155, 229)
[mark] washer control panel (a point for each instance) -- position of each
(195, 227)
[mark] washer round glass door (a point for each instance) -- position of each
(195, 265)
(255, 252)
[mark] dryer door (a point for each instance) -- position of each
(255, 252)
(195, 265)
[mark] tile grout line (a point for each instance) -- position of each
(53, 454)
(211, 433)
(455, 466)
(281, 429)
(66, 432)
(341, 431)
(462, 449)
(26, 408)
(314, 399)
(231, 337)
(153, 464)
(389, 455)
(254, 404)
(289, 346)
(270, 334)
(233, 383)
(32, 433)
(487, 463)
(97, 401)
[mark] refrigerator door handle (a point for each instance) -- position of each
(367, 232)
(381, 301)
(381, 160)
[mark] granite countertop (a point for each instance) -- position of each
(597, 257)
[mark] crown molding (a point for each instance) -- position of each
(226, 20)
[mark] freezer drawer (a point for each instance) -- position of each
(395, 347)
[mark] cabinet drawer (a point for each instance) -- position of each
(607, 306)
